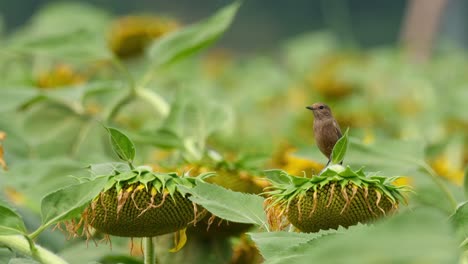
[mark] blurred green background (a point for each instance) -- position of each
(238, 107)
(261, 25)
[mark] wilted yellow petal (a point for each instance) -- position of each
(180, 238)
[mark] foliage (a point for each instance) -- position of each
(179, 113)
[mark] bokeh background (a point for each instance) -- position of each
(394, 73)
(261, 25)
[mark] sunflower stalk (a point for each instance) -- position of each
(149, 254)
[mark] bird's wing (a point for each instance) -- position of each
(337, 128)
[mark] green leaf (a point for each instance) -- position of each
(465, 182)
(192, 120)
(405, 238)
(232, 206)
(69, 202)
(278, 176)
(122, 145)
(68, 30)
(14, 98)
(339, 150)
(37, 178)
(460, 220)
(108, 168)
(272, 244)
(10, 222)
(191, 39)
(161, 138)
(22, 261)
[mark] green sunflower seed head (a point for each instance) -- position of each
(142, 203)
(337, 197)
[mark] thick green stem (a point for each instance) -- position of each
(21, 245)
(156, 101)
(149, 254)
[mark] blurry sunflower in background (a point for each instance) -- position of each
(60, 75)
(130, 35)
(327, 80)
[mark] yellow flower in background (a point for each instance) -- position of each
(14, 196)
(59, 76)
(130, 35)
(403, 181)
(445, 168)
(216, 62)
(369, 137)
(326, 80)
(296, 165)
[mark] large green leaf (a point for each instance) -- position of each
(10, 222)
(71, 30)
(192, 120)
(161, 138)
(11, 99)
(36, 178)
(232, 206)
(272, 244)
(191, 39)
(460, 220)
(22, 261)
(406, 238)
(69, 202)
(53, 130)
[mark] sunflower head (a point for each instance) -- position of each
(130, 35)
(337, 197)
(141, 203)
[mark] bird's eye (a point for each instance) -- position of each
(321, 107)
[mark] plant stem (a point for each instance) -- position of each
(149, 254)
(38, 231)
(21, 245)
(156, 101)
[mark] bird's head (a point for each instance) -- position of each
(320, 110)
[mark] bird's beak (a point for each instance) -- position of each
(310, 108)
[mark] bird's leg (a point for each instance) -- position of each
(328, 163)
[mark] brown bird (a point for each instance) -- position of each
(326, 129)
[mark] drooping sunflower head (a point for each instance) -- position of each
(337, 197)
(142, 203)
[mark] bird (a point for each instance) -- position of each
(326, 129)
